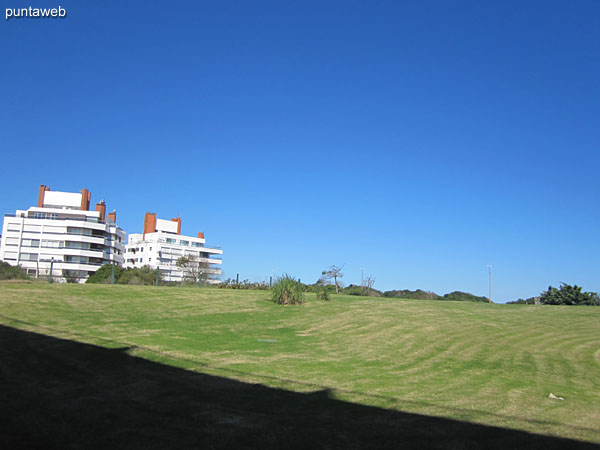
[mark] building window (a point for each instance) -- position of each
(30, 242)
(32, 228)
(77, 245)
(12, 241)
(186, 243)
(79, 231)
(28, 256)
(52, 244)
(76, 259)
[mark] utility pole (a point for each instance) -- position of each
(362, 279)
(490, 280)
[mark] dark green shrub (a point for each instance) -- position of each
(568, 295)
(8, 272)
(104, 274)
(287, 291)
(464, 297)
(142, 276)
(419, 294)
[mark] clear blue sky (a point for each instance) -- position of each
(421, 140)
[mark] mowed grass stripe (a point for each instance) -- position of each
(493, 364)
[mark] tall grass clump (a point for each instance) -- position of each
(322, 293)
(287, 291)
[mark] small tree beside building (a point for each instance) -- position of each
(194, 270)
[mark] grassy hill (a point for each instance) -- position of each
(447, 365)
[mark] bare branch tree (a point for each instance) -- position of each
(334, 272)
(369, 282)
(193, 269)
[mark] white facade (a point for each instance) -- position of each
(162, 248)
(61, 234)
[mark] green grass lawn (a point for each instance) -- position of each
(473, 362)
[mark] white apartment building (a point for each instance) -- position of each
(62, 237)
(161, 245)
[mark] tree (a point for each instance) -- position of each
(334, 272)
(193, 269)
(71, 276)
(369, 283)
(568, 295)
(104, 274)
(8, 272)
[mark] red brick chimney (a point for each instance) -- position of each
(178, 220)
(86, 196)
(41, 194)
(101, 207)
(149, 223)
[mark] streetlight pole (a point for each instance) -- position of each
(200, 275)
(112, 267)
(50, 280)
(490, 281)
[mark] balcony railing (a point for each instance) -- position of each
(52, 216)
(56, 261)
(193, 247)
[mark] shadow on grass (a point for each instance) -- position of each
(58, 394)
